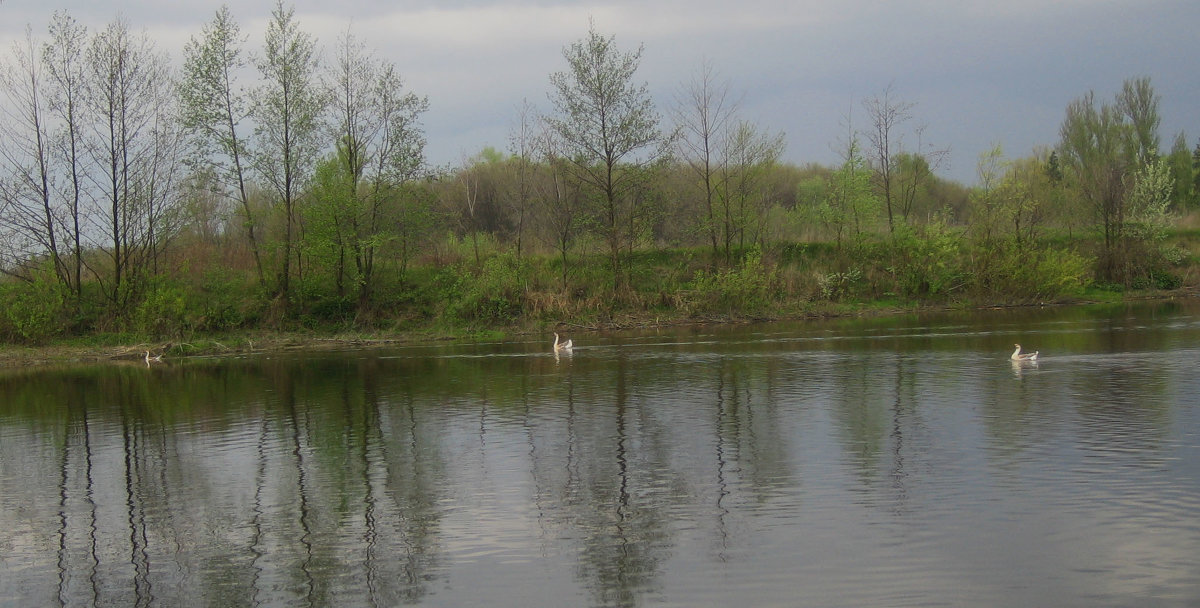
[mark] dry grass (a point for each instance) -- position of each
(1189, 221)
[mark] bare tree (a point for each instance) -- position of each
(522, 145)
(135, 149)
(470, 180)
(900, 175)
(885, 114)
(914, 171)
(29, 213)
(560, 199)
(704, 113)
(849, 203)
(63, 56)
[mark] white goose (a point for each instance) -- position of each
(1017, 356)
(562, 347)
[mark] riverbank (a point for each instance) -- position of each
(112, 349)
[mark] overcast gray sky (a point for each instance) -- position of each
(980, 72)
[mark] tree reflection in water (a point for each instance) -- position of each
(700, 467)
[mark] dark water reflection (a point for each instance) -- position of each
(900, 461)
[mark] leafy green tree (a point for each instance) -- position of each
(849, 205)
(841, 199)
(214, 106)
(1182, 174)
(412, 214)
(749, 155)
(328, 217)
(1147, 256)
(1103, 148)
(33, 308)
(987, 198)
(609, 131)
(1006, 258)
(1028, 192)
(1138, 104)
(1150, 201)
(287, 108)
(1196, 172)
(1054, 167)
(1009, 202)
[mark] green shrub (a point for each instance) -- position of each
(1013, 272)
(1157, 278)
(224, 300)
(927, 262)
(494, 295)
(35, 310)
(333, 308)
(162, 311)
(745, 288)
(838, 285)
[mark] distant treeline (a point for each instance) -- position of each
(267, 187)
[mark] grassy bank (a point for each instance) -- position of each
(459, 296)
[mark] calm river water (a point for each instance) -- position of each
(887, 462)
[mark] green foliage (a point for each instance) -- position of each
(606, 124)
(1146, 252)
(1158, 278)
(927, 261)
(224, 300)
(332, 309)
(1149, 202)
(163, 311)
(1183, 174)
(351, 225)
(495, 294)
(850, 205)
(34, 310)
(1196, 174)
(836, 286)
(743, 289)
(1030, 273)
(1106, 151)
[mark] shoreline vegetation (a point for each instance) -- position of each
(280, 198)
(112, 349)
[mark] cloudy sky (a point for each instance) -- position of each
(979, 72)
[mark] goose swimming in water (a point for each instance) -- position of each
(561, 347)
(1017, 356)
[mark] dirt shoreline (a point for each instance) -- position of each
(14, 357)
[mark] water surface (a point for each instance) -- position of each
(902, 461)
